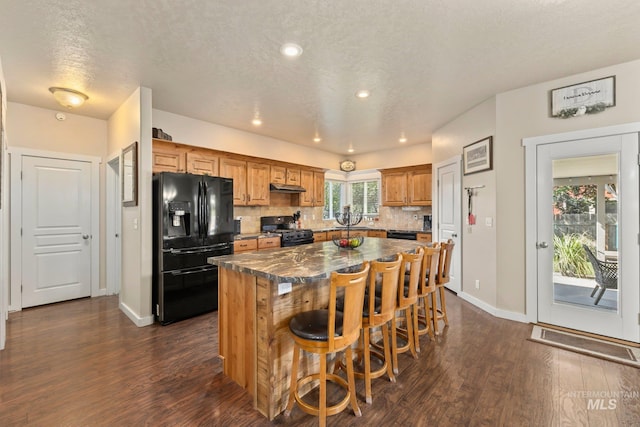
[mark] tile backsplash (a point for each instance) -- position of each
(389, 218)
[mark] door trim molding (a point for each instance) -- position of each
(531, 206)
(113, 225)
(16, 154)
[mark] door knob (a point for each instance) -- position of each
(542, 245)
(85, 236)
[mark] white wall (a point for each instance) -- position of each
(4, 217)
(478, 241)
(204, 134)
(512, 116)
(417, 154)
(130, 123)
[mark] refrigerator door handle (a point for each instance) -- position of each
(200, 209)
(205, 207)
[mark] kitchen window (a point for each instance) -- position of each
(360, 191)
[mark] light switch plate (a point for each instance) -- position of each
(488, 221)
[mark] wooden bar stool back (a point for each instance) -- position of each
(440, 313)
(427, 290)
(329, 331)
(406, 302)
(378, 311)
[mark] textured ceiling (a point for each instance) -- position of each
(425, 61)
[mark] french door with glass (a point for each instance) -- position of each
(587, 225)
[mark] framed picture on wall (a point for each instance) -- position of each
(130, 175)
(478, 156)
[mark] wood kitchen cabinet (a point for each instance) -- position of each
(335, 234)
(202, 163)
(250, 181)
(319, 236)
(278, 174)
(313, 182)
(409, 186)
(166, 158)
(378, 233)
(268, 242)
(293, 176)
(354, 233)
(423, 237)
(245, 245)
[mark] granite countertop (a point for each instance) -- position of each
(320, 230)
(249, 236)
(315, 261)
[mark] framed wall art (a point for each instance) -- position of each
(478, 156)
(583, 98)
(130, 175)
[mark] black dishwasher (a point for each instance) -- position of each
(402, 234)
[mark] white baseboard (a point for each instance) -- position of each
(139, 321)
(503, 314)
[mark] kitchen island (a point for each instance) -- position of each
(260, 291)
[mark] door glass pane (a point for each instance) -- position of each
(585, 232)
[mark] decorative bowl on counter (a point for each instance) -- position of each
(350, 243)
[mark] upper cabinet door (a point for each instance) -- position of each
(419, 183)
(394, 189)
(258, 176)
(318, 198)
(293, 176)
(167, 159)
(202, 164)
(236, 170)
(278, 174)
(306, 181)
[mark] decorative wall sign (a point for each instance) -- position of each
(583, 98)
(478, 157)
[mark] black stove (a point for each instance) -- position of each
(284, 226)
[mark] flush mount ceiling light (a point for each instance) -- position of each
(317, 139)
(363, 93)
(291, 50)
(257, 121)
(402, 139)
(68, 98)
(350, 150)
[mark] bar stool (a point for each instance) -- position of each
(427, 290)
(378, 311)
(406, 302)
(329, 331)
(446, 248)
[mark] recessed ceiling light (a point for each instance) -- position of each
(291, 50)
(402, 139)
(350, 150)
(317, 139)
(257, 121)
(362, 94)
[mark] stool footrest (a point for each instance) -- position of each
(331, 410)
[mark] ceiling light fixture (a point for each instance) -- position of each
(402, 139)
(68, 98)
(257, 121)
(317, 138)
(350, 150)
(291, 50)
(362, 94)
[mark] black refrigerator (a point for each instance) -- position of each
(192, 221)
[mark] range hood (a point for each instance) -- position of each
(286, 188)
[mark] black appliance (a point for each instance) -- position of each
(192, 221)
(427, 223)
(285, 227)
(402, 234)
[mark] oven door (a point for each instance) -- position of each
(296, 242)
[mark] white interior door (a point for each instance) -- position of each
(114, 208)
(448, 216)
(56, 230)
(587, 192)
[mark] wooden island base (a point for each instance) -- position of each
(254, 339)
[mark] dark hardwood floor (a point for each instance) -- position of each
(83, 363)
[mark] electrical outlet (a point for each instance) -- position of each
(477, 284)
(415, 217)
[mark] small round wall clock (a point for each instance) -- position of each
(347, 165)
